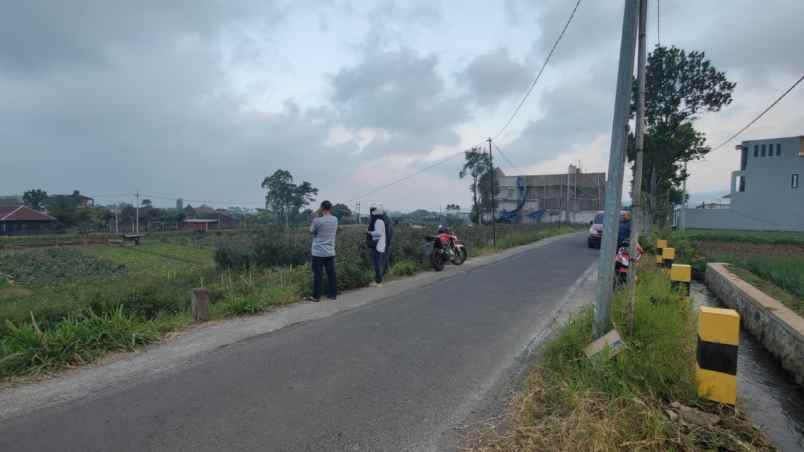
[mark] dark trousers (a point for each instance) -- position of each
(379, 265)
(327, 263)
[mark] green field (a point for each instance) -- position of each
(772, 261)
(66, 305)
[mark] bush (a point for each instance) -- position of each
(234, 254)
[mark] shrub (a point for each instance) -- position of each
(234, 254)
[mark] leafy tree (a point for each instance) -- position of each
(342, 211)
(476, 165)
(453, 208)
(35, 199)
(65, 209)
(679, 86)
(146, 203)
(283, 197)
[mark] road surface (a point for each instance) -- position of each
(397, 374)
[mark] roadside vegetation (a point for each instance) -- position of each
(771, 261)
(66, 306)
(642, 399)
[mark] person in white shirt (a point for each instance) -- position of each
(377, 243)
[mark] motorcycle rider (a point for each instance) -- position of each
(624, 232)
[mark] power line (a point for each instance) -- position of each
(539, 74)
(514, 167)
(760, 115)
(383, 187)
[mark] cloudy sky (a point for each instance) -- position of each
(203, 99)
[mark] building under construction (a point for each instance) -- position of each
(572, 197)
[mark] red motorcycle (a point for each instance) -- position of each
(623, 261)
(445, 247)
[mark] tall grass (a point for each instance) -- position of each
(787, 272)
(618, 403)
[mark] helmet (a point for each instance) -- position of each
(442, 229)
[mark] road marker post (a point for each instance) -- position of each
(199, 304)
(681, 276)
(718, 343)
(668, 255)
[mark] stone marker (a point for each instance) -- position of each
(200, 304)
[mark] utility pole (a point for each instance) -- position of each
(357, 209)
(566, 210)
(137, 230)
(116, 210)
(614, 184)
(684, 201)
(493, 220)
(636, 192)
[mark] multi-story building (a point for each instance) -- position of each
(574, 196)
(766, 192)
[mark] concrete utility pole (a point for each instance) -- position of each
(636, 193)
(493, 220)
(683, 218)
(616, 168)
(137, 231)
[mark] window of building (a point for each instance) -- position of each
(756, 150)
(763, 150)
(778, 149)
(794, 181)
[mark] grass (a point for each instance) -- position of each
(771, 261)
(156, 259)
(766, 277)
(574, 403)
(72, 305)
(756, 237)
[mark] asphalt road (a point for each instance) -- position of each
(393, 375)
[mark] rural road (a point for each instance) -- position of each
(397, 374)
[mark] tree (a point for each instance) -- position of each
(476, 165)
(35, 199)
(146, 203)
(342, 211)
(64, 209)
(679, 85)
(453, 208)
(283, 197)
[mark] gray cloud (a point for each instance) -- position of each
(494, 76)
(397, 91)
(40, 36)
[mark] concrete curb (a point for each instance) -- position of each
(779, 329)
(190, 345)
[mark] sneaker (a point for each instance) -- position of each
(331, 298)
(375, 284)
(312, 300)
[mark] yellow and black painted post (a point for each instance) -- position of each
(660, 245)
(718, 342)
(681, 275)
(668, 255)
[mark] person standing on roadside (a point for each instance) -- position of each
(376, 240)
(323, 228)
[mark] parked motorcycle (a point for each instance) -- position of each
(444, 247)
(623, 261)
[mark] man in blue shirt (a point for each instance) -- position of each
(323, 228)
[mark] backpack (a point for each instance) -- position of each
(389, 230)
(370, 242)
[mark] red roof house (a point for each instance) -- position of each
(24, 220)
